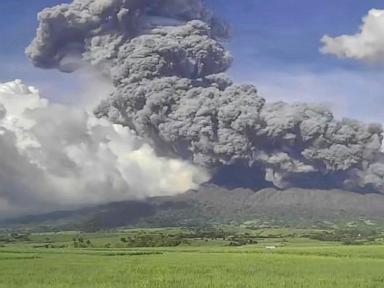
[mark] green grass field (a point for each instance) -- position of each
(327, 266)
(34, 261)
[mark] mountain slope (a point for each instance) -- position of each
(212, 204)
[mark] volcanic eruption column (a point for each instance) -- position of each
(166, 62)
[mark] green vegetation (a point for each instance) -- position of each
(210, 257)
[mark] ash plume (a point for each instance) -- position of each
(166, 61)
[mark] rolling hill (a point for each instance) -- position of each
(212, 204)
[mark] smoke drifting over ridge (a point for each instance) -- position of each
(166, 63)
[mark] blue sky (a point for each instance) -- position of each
(288, 32)
(275, 45)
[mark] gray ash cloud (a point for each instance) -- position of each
(167, 63)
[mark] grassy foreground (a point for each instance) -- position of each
(231, 257)
(326, 266)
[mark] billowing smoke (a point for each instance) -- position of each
(59, 157)
(166, 61)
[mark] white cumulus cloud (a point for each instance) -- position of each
(367, 44)
(56, 156)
